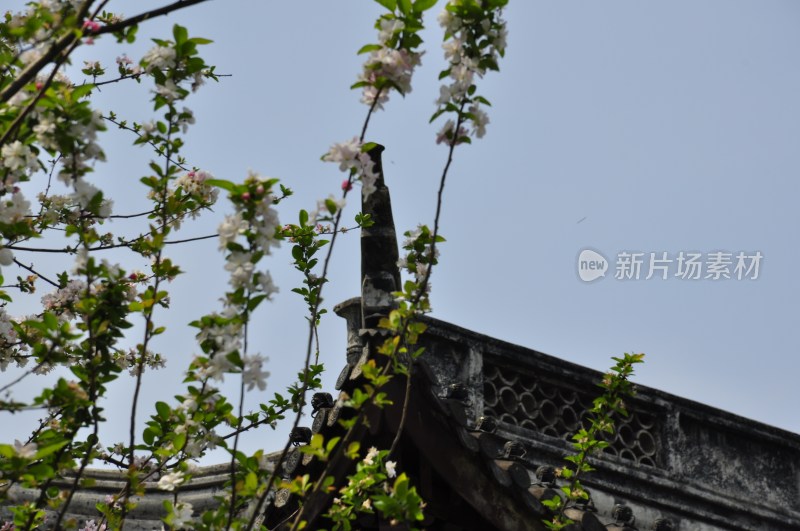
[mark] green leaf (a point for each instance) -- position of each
(423, 5)
(179, 442)
(180, 33)
(369, 48)
(47, 450)
(297, 253)
(82, 90)
(163, 410)
(330, 204)
(391, 5)
(221, 183)
(366, 146)
(405, 7)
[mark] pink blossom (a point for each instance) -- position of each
(91, 25)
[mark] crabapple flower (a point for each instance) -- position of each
(345, 153)
(389, 28)
(18, 159)
(84, 192)
(91, 525)
(230, 228)
(471, 46)
(45, 132)
(159, 57)
(372, 453)
(62, 300)
(91, 25)
(322, 207)
(170, 481)
(385, 68)
(448, 135)
(266, 285)
(252, 375)
(194, 183)
(126, 67)
(479, 120)
(349, 156)
(265, 224)
(182, 515)
(391, 470)
(169, 90)
(148, 128)
(6, 257)
(185, 119)
(14, 209)
(25, 451)
(448, 21)
(241, 267)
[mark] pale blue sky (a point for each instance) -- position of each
(668, 126)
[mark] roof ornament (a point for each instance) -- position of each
(663, 524)
(546, 475)
(380, 275)
(301, 435)
(457, 391)
(320, 401)
(486, 424)
(513, 450)
(623, 515)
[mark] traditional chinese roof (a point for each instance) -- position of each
(488, 422)
(99, 485)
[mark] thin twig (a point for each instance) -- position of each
(30, 269)
(311, 335)
(122, 24)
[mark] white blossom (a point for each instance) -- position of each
(265, 284)
(25, 451)
(14, 208)
(479, 120)
(241, 268)
(159, 57)
(91, 525)
(349, 155)
(389, 27)
(372, 453)
(252, 374)
(84, 192)
(170, 481)
(169, 90)
(18, 157)
(345, 153)
(193, 183)
(230, 228)
(6, 257)
(182, 515)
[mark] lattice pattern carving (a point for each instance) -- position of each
(539, 404)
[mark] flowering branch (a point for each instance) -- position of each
(587, 442)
